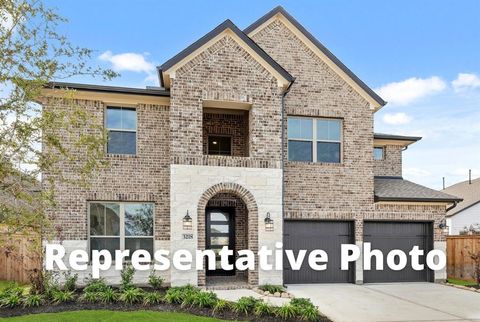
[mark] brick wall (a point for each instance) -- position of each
(391, 165)
(323, 189)
(233, 125)
(225, 72)
(143, 177)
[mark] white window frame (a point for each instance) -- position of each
(122, 222)
(314, 139)
(105, 117)
(383, 153)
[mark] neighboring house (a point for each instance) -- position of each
(250, 126)
(467, 212)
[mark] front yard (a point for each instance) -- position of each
(106, 316)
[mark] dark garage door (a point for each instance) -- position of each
(309, 235)
(398, 235)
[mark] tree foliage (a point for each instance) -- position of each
(34, 53)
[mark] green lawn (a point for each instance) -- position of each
(5, 284)
(461, 282)
(104, 315)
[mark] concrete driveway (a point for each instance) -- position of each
(392, 302)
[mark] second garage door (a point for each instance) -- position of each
(386, 236)
(309, 235)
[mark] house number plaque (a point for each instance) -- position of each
(187, 236)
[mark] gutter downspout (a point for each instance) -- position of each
(455, 203)
(283, 146)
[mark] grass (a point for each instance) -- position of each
(461, 282)
(107, 316)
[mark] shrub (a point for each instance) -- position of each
(152, 298)
(90, 297)
(32, 300)
(301, 302)
(309, 313)
(108, 295)
(132, 295)
(245, 304)
(10, 300)
(178, 294)
(205, 299)
(189, 296)
(221, 305)
(62, 296)
(286, 311)
(262, 308)
(272, 288)
(70, 283)
(155, 281)
(127, 278)
(95, 285)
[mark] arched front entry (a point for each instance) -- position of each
(211, 197)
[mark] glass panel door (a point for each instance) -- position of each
(220, 233)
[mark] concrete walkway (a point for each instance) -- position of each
(234, 295)
(392, 302)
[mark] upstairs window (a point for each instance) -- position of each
(314, 140)
(121, 124)
(378, 153)
(121, 226)
(219, 145)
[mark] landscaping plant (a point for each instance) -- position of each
(272, 288)
(108, 295)
(221, 305)
(245, 304)
(263, 308)
(32, 300)
(70, 283)
(152, 298)
(155, 281)
(127, 278)
(286, 311)
(132, 295)
(62, 296)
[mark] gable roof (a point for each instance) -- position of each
(170, 64)
(327, 53)
(469, 192)
(398, 189)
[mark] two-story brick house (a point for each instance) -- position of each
(258, 136)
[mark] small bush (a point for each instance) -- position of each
(245, 304)
(127, 278)
(132, 295)
(32, 300)
(262, 308)
(10, 300)
(108, 295)
(70, 283)
(309, 313)
(301, 302)
(152, 298)
(272, 288)
(221, 305)
(90, 297)
(205, 299)
(286, 311)
(62, 296)
(177, 295)
(155, 281)
(190, 296)
(95, 285)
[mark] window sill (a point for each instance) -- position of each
(121, 156)
(320, 164)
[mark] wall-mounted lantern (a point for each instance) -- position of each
(443, 225)
(268, 223)
(187, 222)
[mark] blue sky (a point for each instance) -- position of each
(421, 56)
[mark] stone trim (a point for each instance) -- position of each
(226, 161)
(252, 217)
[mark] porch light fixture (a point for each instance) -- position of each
(268, 223)
(443, 225)
(187, 222)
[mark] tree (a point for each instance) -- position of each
(32, 54)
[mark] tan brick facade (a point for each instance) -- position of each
(391, 165)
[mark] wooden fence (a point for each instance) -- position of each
(459, 263)
(17, 259)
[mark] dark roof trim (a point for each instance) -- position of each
(382, 136)
(460, 210)
(109, 89)
(319, 45)
(407, 199)
(227, 24)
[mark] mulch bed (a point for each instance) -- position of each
(79, 306)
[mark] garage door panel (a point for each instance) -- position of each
(387, 236)
(311, 235)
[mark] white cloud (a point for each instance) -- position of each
(409, 90)
(465, 81)
(416, 172)
(396, 118)
(128, 62)
(6, 20)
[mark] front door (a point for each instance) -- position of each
(220, 232)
